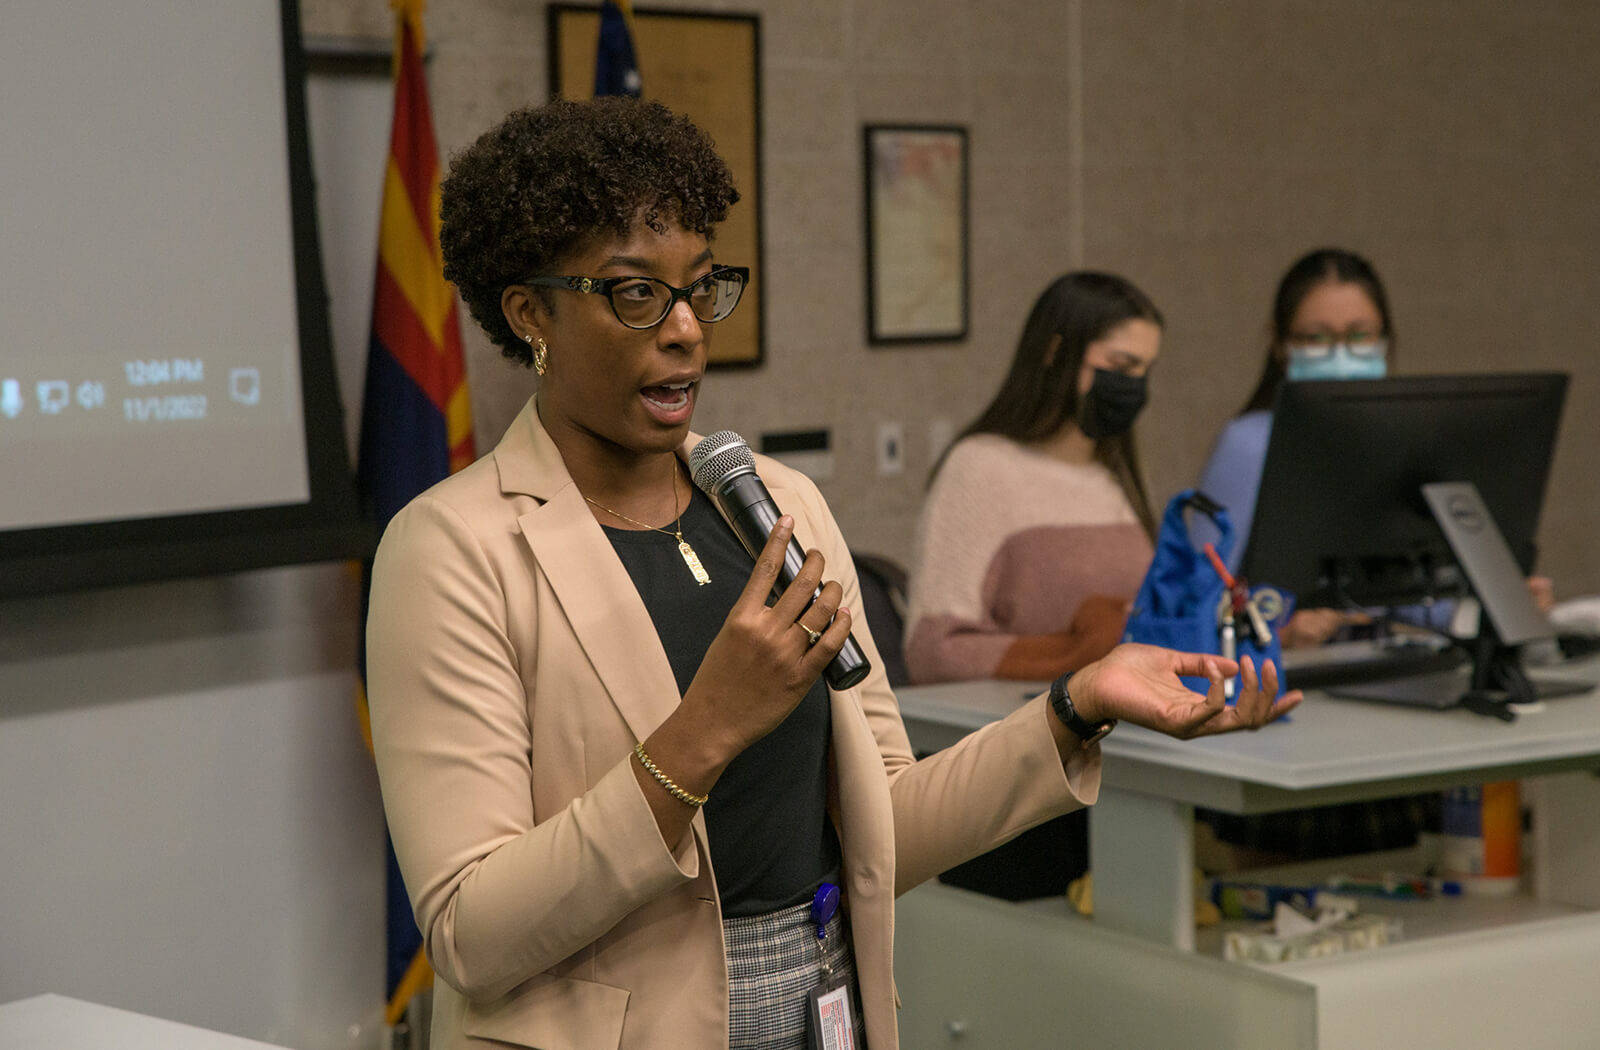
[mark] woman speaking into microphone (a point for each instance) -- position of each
(628, 807)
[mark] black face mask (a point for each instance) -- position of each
(1111, 405)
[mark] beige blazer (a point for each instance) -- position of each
(511, 668)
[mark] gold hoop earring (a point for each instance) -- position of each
(541, 357)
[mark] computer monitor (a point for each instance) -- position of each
(1342, 518)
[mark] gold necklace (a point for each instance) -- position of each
(690, 558)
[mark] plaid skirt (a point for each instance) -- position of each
(774, 960)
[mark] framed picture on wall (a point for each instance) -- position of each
(707, 67)
(916, 212)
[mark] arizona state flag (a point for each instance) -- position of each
(416, 418)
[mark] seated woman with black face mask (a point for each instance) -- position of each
(1037, 532)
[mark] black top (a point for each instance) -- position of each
(771, 839)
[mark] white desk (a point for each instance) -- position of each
(59, 1023)
(1129, 980)
(1331, 750)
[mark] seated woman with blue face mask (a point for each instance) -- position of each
(1330, 320)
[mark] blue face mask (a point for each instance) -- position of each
(1339, 361)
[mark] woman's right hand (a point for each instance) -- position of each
(754, 674)
(762, 662)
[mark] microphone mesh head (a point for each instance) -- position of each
(718, 456)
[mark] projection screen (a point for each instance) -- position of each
(167, 397)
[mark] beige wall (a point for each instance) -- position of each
(1449, 142)
(1197, 147)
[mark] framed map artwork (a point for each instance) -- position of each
(916, 212)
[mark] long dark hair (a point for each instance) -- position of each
(1040, 393)
(1309, 271)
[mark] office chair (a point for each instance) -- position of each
(883, 599)
(1039, 862)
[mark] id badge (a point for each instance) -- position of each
(830, 1020)
(830, 1009)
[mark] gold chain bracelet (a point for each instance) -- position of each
(666, 781)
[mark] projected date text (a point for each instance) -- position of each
(163, 409)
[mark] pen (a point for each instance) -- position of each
(1229, 651)
(1216, 563)
(1395, 887)
(1225, 630)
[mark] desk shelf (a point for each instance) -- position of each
(1420, 919)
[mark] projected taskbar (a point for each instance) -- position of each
(161, 391)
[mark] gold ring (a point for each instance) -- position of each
(811, 636)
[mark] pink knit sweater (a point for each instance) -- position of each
(1023, 565)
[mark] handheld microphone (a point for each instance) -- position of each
(725, 469)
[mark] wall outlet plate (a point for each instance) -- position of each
(891, 449)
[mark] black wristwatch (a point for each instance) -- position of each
(1086, 731)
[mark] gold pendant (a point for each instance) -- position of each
(691, 559)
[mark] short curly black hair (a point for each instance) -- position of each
(547, 179)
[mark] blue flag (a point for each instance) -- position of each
(616, 69)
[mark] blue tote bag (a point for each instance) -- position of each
(1182, 601)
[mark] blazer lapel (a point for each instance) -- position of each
(600, 601)
(594, 589)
